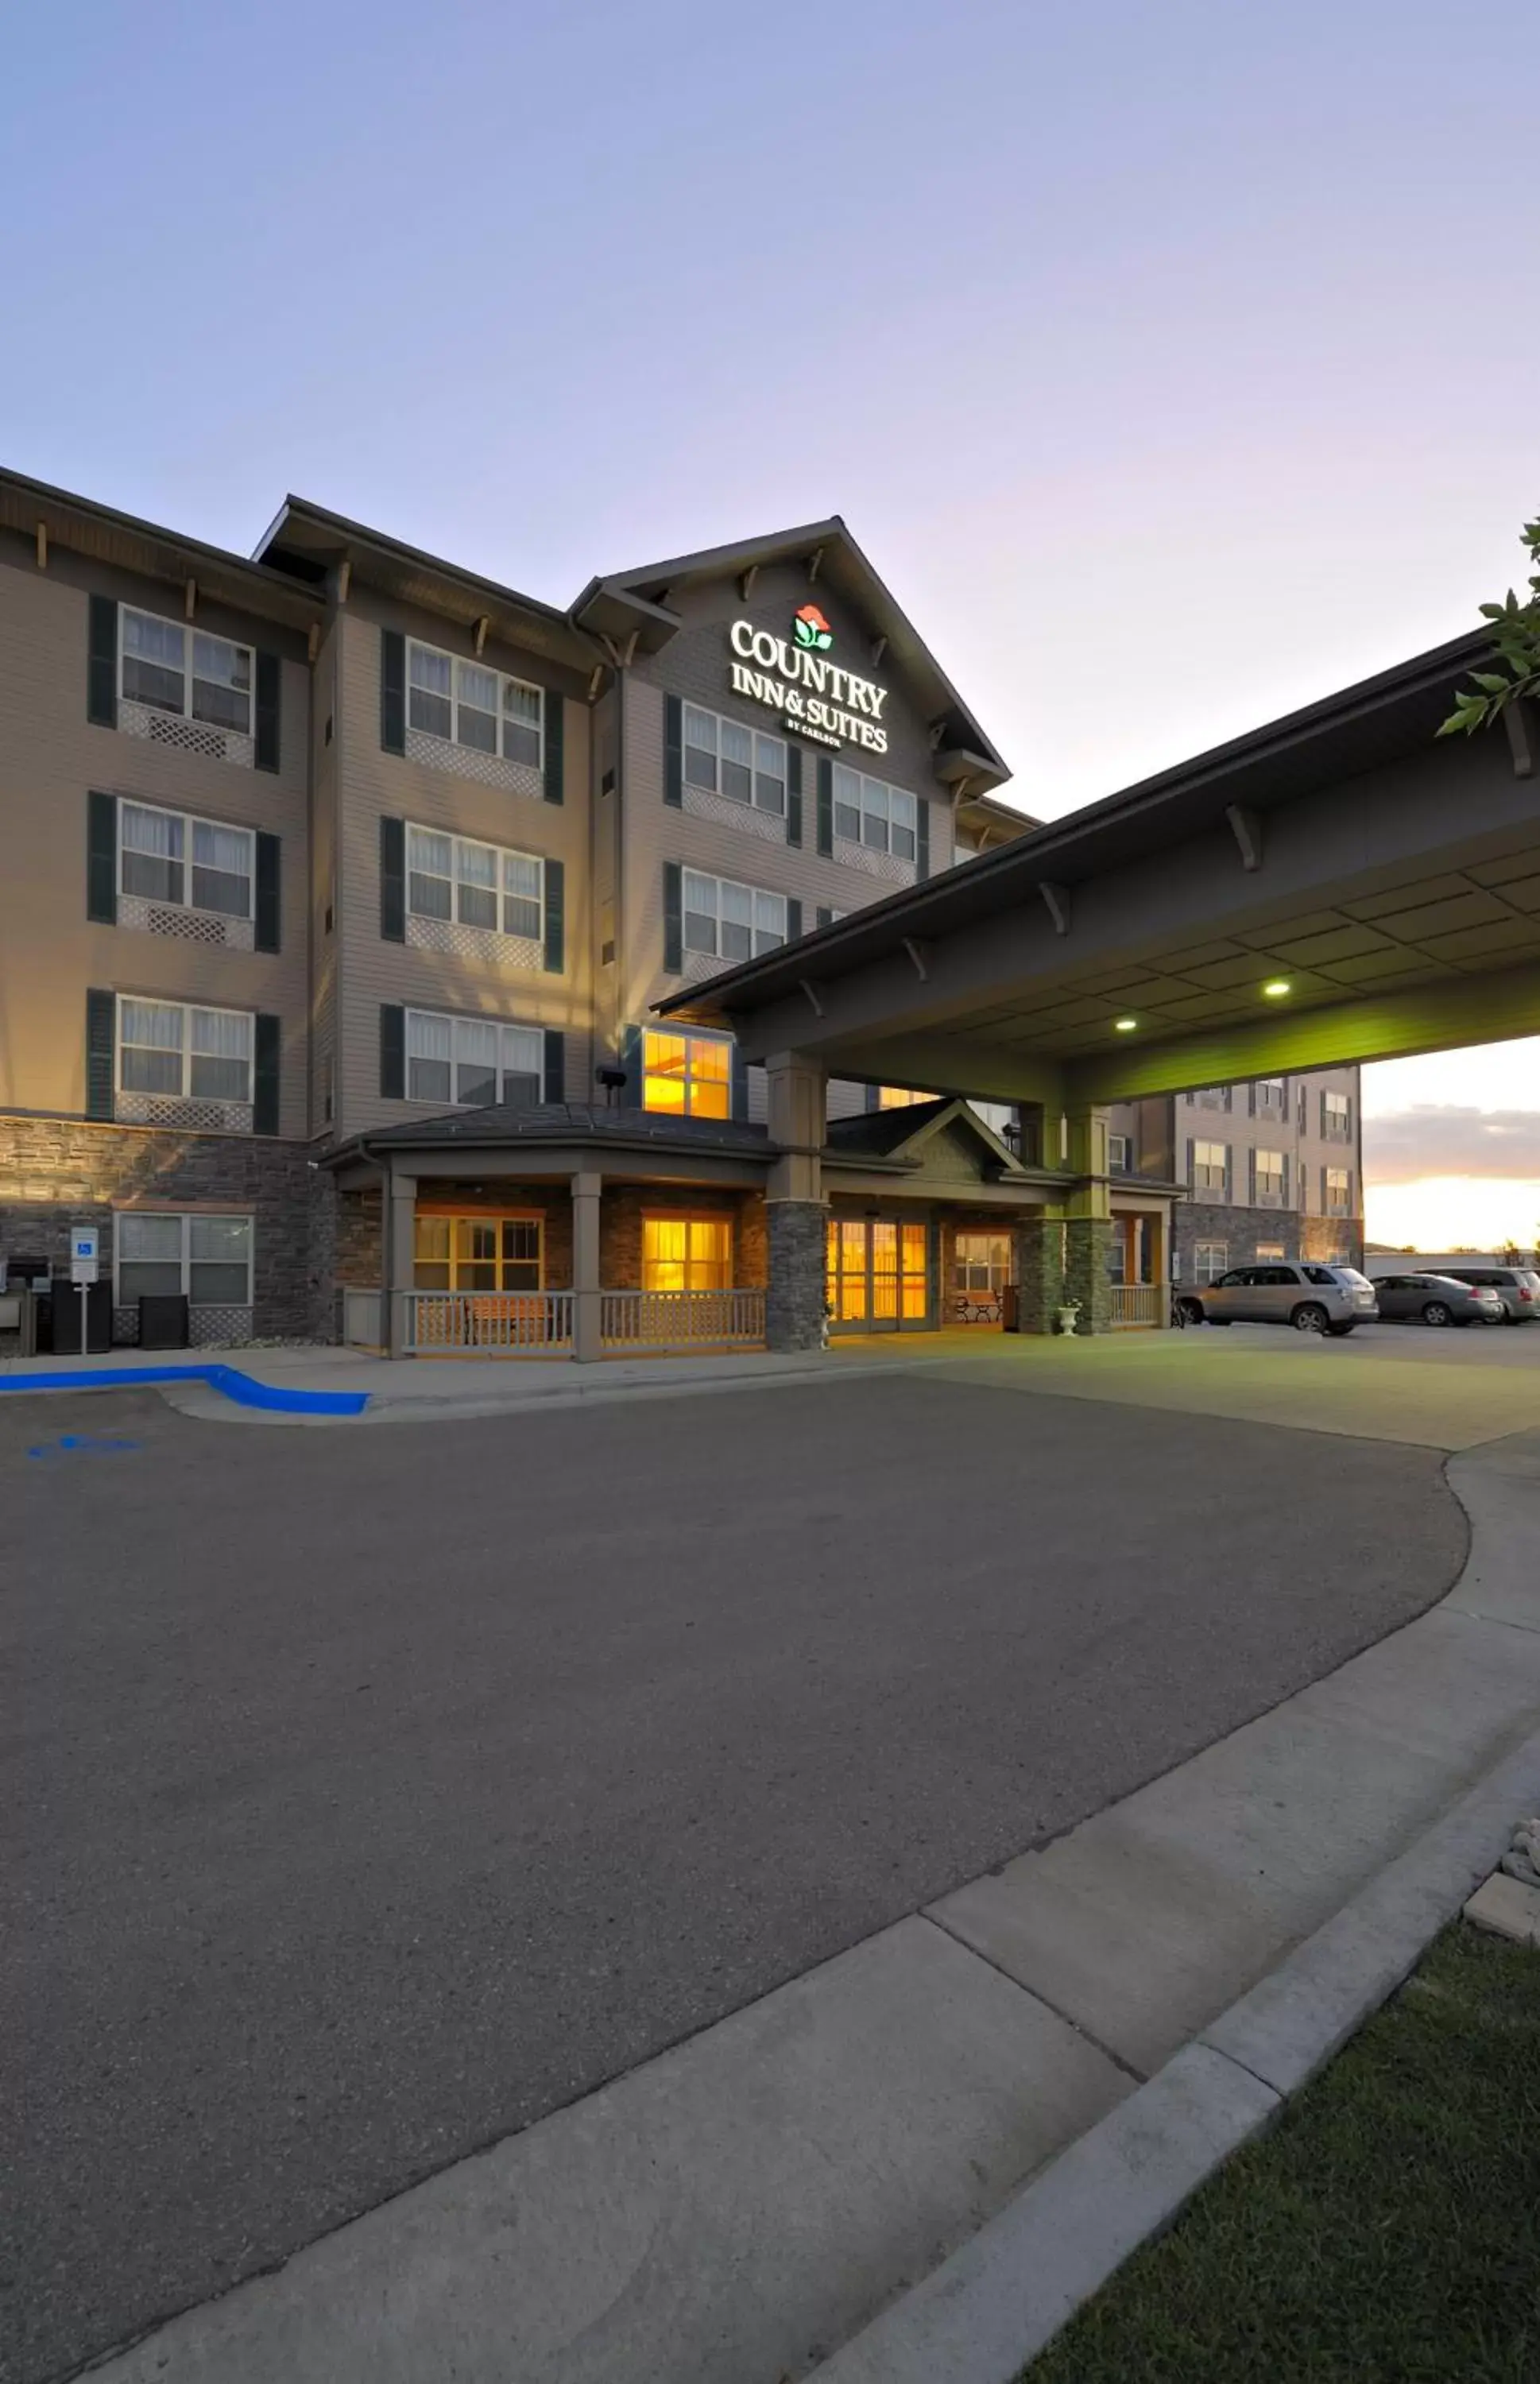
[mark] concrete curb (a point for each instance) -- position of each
(997, 2303)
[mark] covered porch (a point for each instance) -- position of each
(573, 1235)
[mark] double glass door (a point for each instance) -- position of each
(879, 1274)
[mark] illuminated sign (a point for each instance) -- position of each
(815, 698)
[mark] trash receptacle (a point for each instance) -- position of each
(63, 1321)
(163, 1321)
(1009, 1308)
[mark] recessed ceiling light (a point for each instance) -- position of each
(1276, 986)
(1125, 1025)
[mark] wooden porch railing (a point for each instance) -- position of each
(681, 1320)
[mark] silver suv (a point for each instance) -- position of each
(1518, 1287)
(1311, 1298)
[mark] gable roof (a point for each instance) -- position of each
(902, 1134)
(636, 603)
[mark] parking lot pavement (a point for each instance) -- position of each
(1447, 1390)
(370, 1794)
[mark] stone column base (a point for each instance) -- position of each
(1039, 1273)
(1088, 1240)
(794, 1295)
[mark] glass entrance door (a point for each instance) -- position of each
(879, 1274)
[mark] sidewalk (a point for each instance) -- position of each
(433, 1389)
(745, 2204)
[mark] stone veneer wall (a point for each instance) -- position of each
(1041, 1254)
(1087, 1245)
(58, 1172)
(795, 1283)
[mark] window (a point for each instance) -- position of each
(477, 1253)
(209, 1257)
(1210, 1260)
(1270, 1250)
(167, 857)
(1337, 1191)
(1272, 1175)
(1212, 1097)
(1120, 1154)
(687, 1253)
(472, 1062)
(689, 1075)
(902, 1097)
(981, 1262)
(743, 763)
(1210, 1166)
(468, 704)
(474, 885)
(172, 667)
(866, 812)
(1335, 1116)
(168, 1048)
(1271, 1095)
(731, 922)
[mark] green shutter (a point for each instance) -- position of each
(393, 879)
(555, 1085)
(101, 1025)
(269, 677)
(393, 691)
(825, 806)
(555, 917)
(922, 840)
(793, 794)
(634, 1094)
(673, 917)
(270, 850)
(793, 920)
(269, 1044)
(554, 707)
(673, 751)
(392, 1052)
(101, 858)
(100, 684)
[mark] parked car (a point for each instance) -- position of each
(1436, 1299)
(1518, 1287)
(1313, 1298)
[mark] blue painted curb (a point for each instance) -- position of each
(241, 1388)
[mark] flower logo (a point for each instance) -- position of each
(810, 629)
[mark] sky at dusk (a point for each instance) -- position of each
(1174, 364)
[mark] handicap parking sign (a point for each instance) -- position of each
(84, 1247)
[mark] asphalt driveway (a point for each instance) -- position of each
(369, 1794)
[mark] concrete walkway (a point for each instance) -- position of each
(733, 2211)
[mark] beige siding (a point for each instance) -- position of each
(325, 888)
(374, 784)
(656, 833)
(50, 757)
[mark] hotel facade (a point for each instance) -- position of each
(341, 886)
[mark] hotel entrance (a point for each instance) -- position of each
(879, 1274)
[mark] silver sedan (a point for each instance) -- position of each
(1436, 1299)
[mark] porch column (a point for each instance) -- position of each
(586, 1322)
(795, 1215)
(1088, 1227)
(400, 1205)
(1041, 1246)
